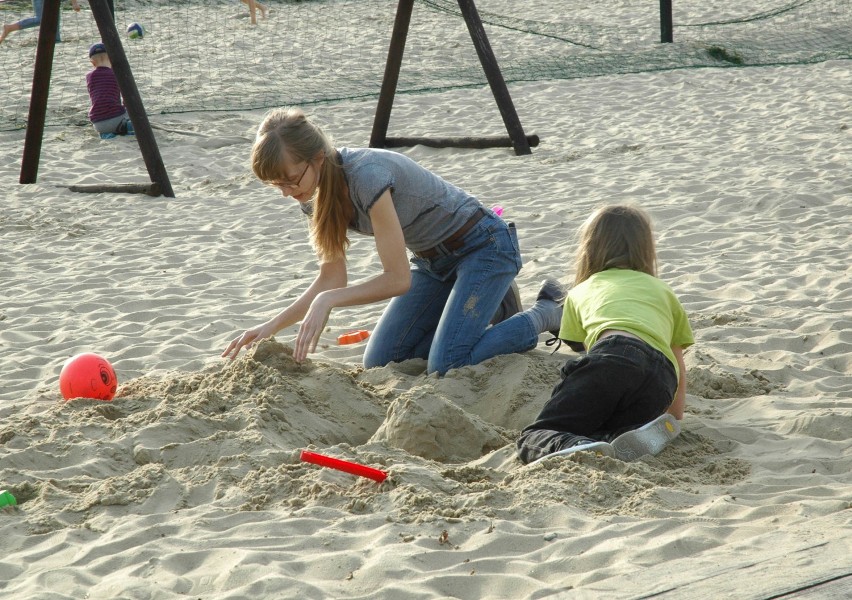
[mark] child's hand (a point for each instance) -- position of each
(311, 328)
(247, 339)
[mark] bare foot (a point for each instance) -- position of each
(7, 29)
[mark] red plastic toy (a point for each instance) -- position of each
(343, 465)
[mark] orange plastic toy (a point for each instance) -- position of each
(353, 337)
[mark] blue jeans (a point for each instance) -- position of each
(620, 384)
(444, 316)
(114, 125)
(38, 9)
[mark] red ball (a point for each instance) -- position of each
(88, 375)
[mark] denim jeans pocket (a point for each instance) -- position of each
(503, 238)
(516, 246)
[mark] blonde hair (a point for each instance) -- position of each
(287, 136)
(101, 59)
(617, 236)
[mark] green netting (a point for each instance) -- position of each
(206, 55)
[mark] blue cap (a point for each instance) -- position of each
(96, 49)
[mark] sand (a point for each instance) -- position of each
(189, 483)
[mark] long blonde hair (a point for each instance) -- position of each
(287, 136)
(617, 236)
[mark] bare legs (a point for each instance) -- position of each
(260, 6)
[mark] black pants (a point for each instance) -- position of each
(620, 384)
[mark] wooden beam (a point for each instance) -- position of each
(391, 76)
(835, 588)
(40, 91)
(495, 78)
(792, 561)
(151, 189)
(457, 142)
(666, 22)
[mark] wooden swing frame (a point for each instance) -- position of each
(103, 13)
(516, 139)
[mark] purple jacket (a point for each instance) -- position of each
(105, 95)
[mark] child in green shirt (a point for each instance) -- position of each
(624, 396)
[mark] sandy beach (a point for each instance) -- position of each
(189, 483)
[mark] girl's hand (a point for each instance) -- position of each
(312, 327)
(247, 340)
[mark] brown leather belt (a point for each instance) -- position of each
(454, 242)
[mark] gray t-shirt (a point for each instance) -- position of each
(429, 208)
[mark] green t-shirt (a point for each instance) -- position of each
(631, 301)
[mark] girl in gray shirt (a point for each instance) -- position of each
(464, 257)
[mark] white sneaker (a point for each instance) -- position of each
(599, 448)
(648, 439)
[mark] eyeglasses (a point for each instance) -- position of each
(289, 187)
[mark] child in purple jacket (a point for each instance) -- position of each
(107, 113)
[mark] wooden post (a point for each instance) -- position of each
(666, 23)
(391, 77)
(40, 91)
(495, 78)
(130, 93)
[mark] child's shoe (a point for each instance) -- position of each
(582, 445)
(651, 438)
(125, 128)
(510, 305)
(108, 136)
